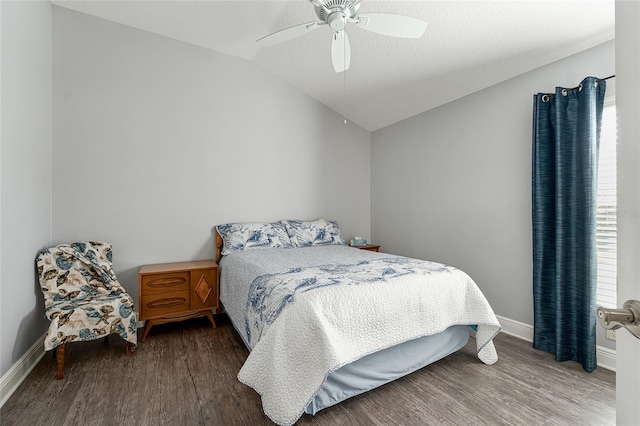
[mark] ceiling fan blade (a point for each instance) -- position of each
(392, 25)
(340, 51)
(287, 34)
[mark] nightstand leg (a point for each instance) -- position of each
(147, 329)
(208, 314)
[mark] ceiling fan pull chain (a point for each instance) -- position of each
(344, 79)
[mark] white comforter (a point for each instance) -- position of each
(303, 324)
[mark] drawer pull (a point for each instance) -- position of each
(166, 282)
(166, 303)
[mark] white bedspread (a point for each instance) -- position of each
(338, 318)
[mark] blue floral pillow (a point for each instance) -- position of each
(314, 233)
(248, 236)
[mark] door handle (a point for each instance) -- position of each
(627, 317)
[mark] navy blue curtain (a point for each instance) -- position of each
(566, 138)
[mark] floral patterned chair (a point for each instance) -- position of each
(83, 298)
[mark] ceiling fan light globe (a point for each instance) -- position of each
(337, 21)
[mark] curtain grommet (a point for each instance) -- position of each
(564, 92)
(545, 98)
(580, 88)
(595, 83)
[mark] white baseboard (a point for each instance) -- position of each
(516, 328)
(20, 370)
(606, 357)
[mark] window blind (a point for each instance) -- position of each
(606, 215)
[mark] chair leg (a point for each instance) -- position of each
(60, 360)
(127, 345)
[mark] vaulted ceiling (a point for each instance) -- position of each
(468, 45)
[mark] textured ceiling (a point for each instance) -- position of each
(468, 45)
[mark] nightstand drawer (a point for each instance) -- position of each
(163, 283)
(164, 303)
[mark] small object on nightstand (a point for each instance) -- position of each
(370, 247)
(170, 292)
(358, 241)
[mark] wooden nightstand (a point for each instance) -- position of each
(169, 292)
(370, 247)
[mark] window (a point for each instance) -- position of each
(606, 219)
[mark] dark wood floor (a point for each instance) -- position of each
(185, 374)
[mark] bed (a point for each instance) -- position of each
(324, 321)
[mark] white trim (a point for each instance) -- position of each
(606, 357)
(516, 328)
(20, 370)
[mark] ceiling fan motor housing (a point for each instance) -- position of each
(336, 13)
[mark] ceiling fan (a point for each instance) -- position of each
(337, 14)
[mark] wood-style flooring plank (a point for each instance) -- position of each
(186, 374)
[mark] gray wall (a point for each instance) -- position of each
(25, 172)
(454, 184)
(155, 141)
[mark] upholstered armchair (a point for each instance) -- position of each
(83, 298)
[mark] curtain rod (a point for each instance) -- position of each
(577, 87)
(606, 78)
